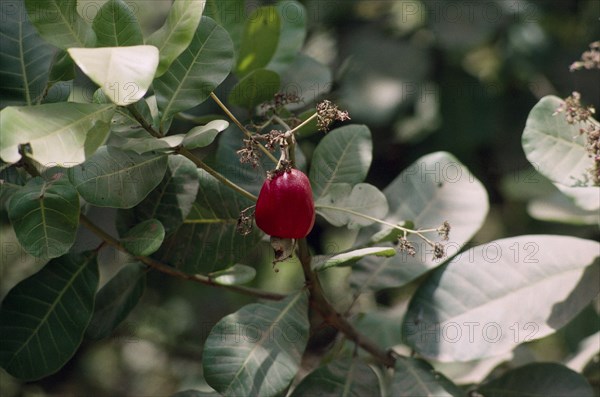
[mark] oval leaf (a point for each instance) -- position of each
(176, 34)
(116, 25)
(539, 379)
(236, 274)
(414, 377)
(264, 358)
(343, 156)
(208, 240)
(58, 133)
(24, 56)
(259, 40)
(547, 137)
(203, 135)
(292, 16)
(196, 72)
(123, 73)
(45, 216)
(434, 189)
(256, 87)
(119, 179)
(347, 258)
(349, 377)
(352, 206)
(171, 202)
(59, 23)
(43, 319)
(495, 296)
(145, 238)
(116, 299)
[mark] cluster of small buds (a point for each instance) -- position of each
(279, 100)
(406, 246)
(249, 154)
(327, 113)
(275, 138)
(574, 111)
(438, 248)
(444, 231)
(589, 59)
(244, 222)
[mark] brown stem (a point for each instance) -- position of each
(240, 125)
(201, 164)
(331, 316)
(142, 121)
(161, 267)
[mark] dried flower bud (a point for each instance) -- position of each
(438, 251)
(589, 59)
(406, 246)
(444, 231)
(327, 113)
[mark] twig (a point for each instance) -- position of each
(140, 119)
(330, 315)
(201, 164)
(240, 125)
(161, 267)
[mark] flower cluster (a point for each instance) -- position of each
(576, 113)
(327, 113)
(438, 248)
(589, 59)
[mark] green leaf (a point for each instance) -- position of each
(62, 69)
(58, 133)
(58, 22)
(140, 142)
(548, 137)
(309, 80)
(43, 318)
(119, 179)
(145, 238)
(257, 350)
(116, 25)
(208, 240)
(342, 377)
(434, 189)
(236, 274)
(45, 216)
(171, 202)
(116, 299)
(495, 296)
(196, 72)
(538, 379)
(123, 73)
(177, 33)
(203, 135)
(348, 258)
(343, 156)
(344, 204)
(256, 87)
(557, 207)
(194, 393)
(24, 56)
(292, 17)
(228, 14)
(414, 377)
(259, 40)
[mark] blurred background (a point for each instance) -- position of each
(458, 76)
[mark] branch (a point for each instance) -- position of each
(331, 316)
(142, 121)
(221, 178)
(240, 125)
(161, 267)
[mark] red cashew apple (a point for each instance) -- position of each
(285, 206)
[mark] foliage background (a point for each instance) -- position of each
(424, 76)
